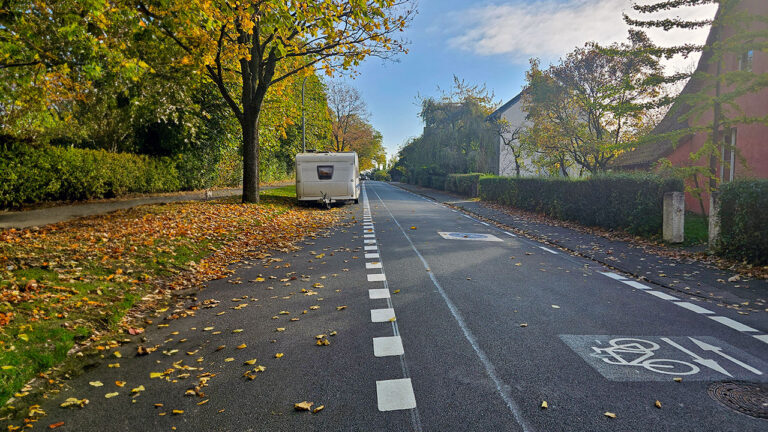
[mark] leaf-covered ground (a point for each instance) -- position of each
(80, 282)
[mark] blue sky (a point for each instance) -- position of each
(483, 42)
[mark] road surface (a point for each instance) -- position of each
(435, 321)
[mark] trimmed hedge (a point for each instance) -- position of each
(30, 175)
(744, 221)
(463, 184)
(626, 201)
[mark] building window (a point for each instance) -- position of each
(728, 156)
(745, 61)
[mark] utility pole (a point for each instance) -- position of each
(303, 131)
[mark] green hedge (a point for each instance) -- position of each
(744, 221)
(627, 201)
(463, 184)
(31, 175)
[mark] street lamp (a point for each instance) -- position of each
(303, 131)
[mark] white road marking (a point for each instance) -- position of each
(372, 265)
(370, 248)
(467, 216)
(732, 324)
(762, 338)
(369, 241)
(396, 394)
(382, 315)
(469, 236)
(509, 234)
(662, 295)
(618, 277)
(376, 277)
(484, 223)
(380, 293)
(371, 256)
(635, 284)
(369, 235)
(548, 250)
(717, 350)
(387, 346)
(712, 364)
(694, 308)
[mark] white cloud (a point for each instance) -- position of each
(549, 29)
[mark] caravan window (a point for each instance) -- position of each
(324, 172)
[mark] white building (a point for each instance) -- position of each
(512, 112)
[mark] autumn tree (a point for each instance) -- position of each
(347, 108)
(590, 105)
(713, 90)
(250, 47)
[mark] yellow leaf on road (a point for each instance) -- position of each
(117, 354)
(241, 346)
(96, 383)
(229, 359)
(138, 389)
(340, 307)
(177, 412)
(318, 409)
(278, 355)
(237, 331)
(74, 402)
(544, 405)
(609, 414)
(303, 406)
(250, 362)
(111, 395)
(657, 404)
(280, 329)
(156, 375)
(120, 383)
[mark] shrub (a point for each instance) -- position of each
(625, 201)
(31, 175)
(381, 175)
(744, 221)
(463, 184)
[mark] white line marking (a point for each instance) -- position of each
(618, 277)
(484, 223)
(370, 248)
(548, 250)
(382, 315)
(694, 308)
(369, 241)
(662, 295)
(467, 216)
(377, 277)
(375, 294)
(717, 350)
(762, 338)
(372, 265)
(369, 235)
(490, 369)
(732, 324)
(372, 256)
(387, 346)
(396, 394)
(509, 234)
(637, 285)
(712, 364)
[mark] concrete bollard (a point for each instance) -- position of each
(674, 217)
(714, 220)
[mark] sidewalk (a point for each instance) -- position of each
(49, 215)
(684, 275)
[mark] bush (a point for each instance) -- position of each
(463, 184)
(625, 201)
(381, 175)
(744, 221)
(33, 175)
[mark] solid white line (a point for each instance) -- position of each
(375, 294)
(548, 250)
(762, 338)
(376, 277)
(396, 394)
(382, 315)
(661, 295)
(388, 346)
(490, 369)
(370, 248)
(634, 284)
(732, 324)
(694, 308)
(618, 277)
(372, 265)
(372, 256)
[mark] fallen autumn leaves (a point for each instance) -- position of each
(76, 281)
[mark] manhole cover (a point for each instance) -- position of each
(747, 398)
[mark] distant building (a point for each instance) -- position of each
(513, 113)
(745, 154)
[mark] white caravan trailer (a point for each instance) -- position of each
(327, 177)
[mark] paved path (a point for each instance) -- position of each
(436, 321)
(49, 215)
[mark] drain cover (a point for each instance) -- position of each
(745, 397)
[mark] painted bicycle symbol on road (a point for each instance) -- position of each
(640, 352)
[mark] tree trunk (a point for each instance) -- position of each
(250, 155)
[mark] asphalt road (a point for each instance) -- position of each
(486, 327)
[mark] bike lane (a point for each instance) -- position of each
(554, 330)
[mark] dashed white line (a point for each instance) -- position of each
(369, 241)
(371, 256)
(382, 315)
(762, 338)
(388, 346)
(369, 235)
(661, 295)
(548, 250)
(509, 234)
(379, 293)
(396, 394)
(372, 265)
(370, 248)
(635, 284)
(376, 277)
(694, 308)
(732, 324)
(613, 276)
